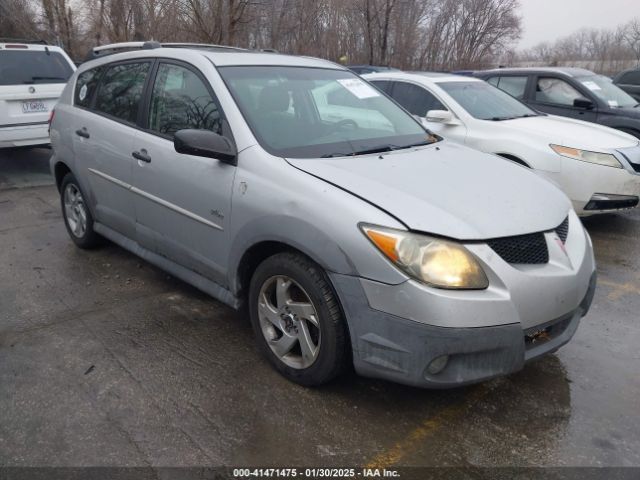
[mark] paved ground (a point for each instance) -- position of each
(105, 360)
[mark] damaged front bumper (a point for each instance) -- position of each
(414, 353)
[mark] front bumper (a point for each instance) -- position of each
(397, 349)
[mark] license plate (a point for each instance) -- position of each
(32, 106)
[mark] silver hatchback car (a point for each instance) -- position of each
(352, 235)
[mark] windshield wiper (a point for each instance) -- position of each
(33, 79)
(378, 149)
(500, 119)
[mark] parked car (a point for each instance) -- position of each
(415, 259)
(570, 92)
(362, 69)
(597, 167)
(629, 81)
(32, 76)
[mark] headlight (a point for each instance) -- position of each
(605, 159)
(438, 263)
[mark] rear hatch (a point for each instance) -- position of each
(31, 81)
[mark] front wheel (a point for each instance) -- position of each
(76, 214)
(297, 320)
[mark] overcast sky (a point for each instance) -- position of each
(547, 20)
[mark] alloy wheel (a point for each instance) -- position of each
(289, 322)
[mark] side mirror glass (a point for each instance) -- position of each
(205, 143)
(439, 116)
(583, 103)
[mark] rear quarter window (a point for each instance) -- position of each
(86, 86)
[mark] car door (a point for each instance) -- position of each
(182, 202)
(104, 131)
(418, 100)
(556, 96)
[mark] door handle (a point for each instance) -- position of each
(83, 132)
(142, 155)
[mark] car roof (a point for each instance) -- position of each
(569, 71)
(219, 55)
(429, 77)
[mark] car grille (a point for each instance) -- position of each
(635, 166)
(527, 249)
(523, 249)
(563, 230)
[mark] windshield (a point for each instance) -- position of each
(486, 102)
(605, 90)
(33, 66)
(300, 112)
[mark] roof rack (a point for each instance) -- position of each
(112, 48)
(23, 40)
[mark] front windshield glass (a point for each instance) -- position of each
(605, 90)
(301, 112)
(486, 102)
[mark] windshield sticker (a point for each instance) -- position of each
(613, 103)
(591, 85)
(358, 88)
(83, 92)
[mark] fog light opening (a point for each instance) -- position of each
(438, 364)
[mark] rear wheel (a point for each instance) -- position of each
(297, 320)
(77, 217)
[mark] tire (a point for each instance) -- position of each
(77, 216)
(282, 326)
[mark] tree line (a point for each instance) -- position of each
(407, 34)
(602, 50)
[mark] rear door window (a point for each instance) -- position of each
(630, 78)
(514, 86)
(415, 99)
(19, 67)
(382, 85)
(120, 90)
(556, 92)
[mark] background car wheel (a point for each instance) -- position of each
(76, 214)
(297, 319)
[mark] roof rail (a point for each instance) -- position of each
(112, 48)
(23, 40)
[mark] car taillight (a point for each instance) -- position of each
(51, 115)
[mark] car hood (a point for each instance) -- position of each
(449, 190)
(572, 133)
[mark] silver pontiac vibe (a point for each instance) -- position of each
(292, 187)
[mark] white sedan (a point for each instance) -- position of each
(597, 167)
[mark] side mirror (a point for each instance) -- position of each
(205, 143)
(583, 103)
(439, 116)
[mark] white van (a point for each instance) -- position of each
(32, 76)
